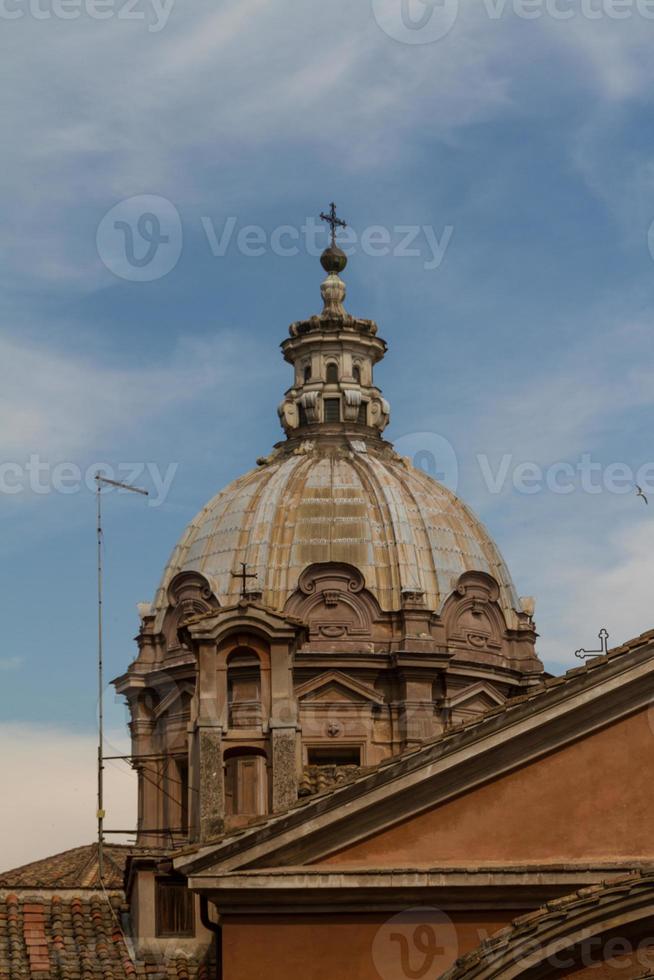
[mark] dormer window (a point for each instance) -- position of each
(332, 373)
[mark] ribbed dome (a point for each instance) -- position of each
(355, 503)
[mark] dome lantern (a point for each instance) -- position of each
(334, 355)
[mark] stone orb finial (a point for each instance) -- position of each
(333, 259)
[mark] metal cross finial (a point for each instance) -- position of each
(244, 575)
(333, 221)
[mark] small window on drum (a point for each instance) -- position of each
(356, 373)
(362, 414)
(332, 410)
(332, 756)
(174, 908)
(307, 372)
(302, 414)
(332, 373)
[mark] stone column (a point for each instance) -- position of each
(211, 783)
(283, 727)
(284, 767)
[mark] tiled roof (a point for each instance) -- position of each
(78, 938)
(317, 778)
(552, 688)
(77, 868)
(532, 932)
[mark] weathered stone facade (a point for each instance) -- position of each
(375, 612)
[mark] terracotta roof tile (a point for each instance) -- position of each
(532, 925)
(58, 937)
(76, 868)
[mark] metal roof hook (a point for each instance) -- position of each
(603, 638)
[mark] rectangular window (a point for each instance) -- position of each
(174, 908)
(332, 410)
(303, 415)
(362, 416)
(329, 755)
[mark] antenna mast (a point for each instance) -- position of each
(101, 481)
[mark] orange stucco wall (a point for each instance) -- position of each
(591, 801)
(341, 947)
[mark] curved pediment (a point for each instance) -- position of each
(472, 617)
(332, 599)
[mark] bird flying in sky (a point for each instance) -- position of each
(639, 493)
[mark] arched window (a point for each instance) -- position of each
(244, 689)
(356, 373)
(246, 783)
(332, 373)
(307, 372)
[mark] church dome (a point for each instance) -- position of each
(327, 610)
(339, 500)
(335, 490)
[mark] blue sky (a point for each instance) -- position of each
(532, 339)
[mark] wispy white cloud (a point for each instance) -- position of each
(611, 588)
(211, 84)
(50, 799)
(11, 663)
(64, 404)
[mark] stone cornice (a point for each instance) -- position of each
(311, 889)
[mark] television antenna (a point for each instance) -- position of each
(100, 482)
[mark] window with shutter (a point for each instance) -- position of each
(174, 908)
(245, 785)
(244, 689)
(332, 410)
